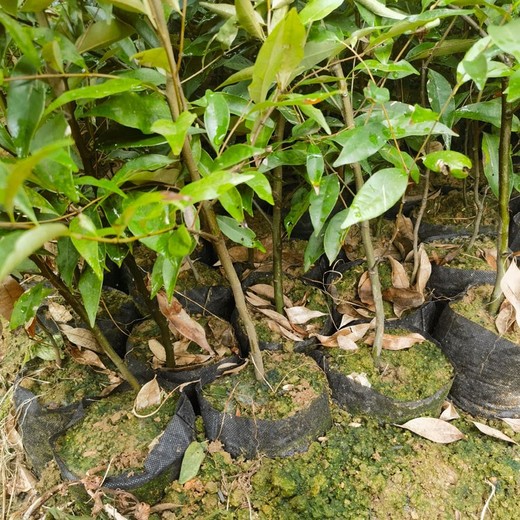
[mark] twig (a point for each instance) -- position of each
(491, 495)
(46, 496)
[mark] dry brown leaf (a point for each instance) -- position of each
(493, 432)
(348, 310)
(365, 289)
(256, 301)
(360, 379)
(404, 237)
(59, 313)
(449, 412)
(149, 395)
(10, 291)
(80, 337)
(180, 321)
(505, 317)
(510, 285)
(299, 315)
(25, 481)
(435, 430)
(490, 256)
(157, 350)
(399, 277)
(403, 299)
(267, 291)
(391, 342)
(513, 423)
(277, 317)
(86, 357)
(346, 343)
(424, 271)
(353, 333)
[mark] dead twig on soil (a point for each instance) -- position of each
(491, 495)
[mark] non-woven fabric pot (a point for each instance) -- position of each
(487, 366)
(359, 399)
(163, 463)
(250, 437)
(450, 282)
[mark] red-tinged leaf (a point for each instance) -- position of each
(149, 395)
(399, 277)
(449, 412)
(157, 349)
(493, 432)
(299, 315)
(510, 285)
(424, 272)
(10, 291)
(365, 289)
(513, 423)
(86, 357)
(435, 430)
(80, 337)
(180, 321)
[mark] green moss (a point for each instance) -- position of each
(206, 276)
(410, 374)
(464, 259)
(294, 381)
(110, 437)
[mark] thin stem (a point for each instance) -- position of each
(277, 223)
(79, 309)
(177, 104)
(418, 220)
(373, 273)
(504, 158)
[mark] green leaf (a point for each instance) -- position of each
(513, 90)
(260, 186)
(272, 64)
(490, 161)
(238, 232)
(335, 235)
(381, 191)
(216, 118)
(106, 184)
(67, 260)
(313, 250)
(51, 53)
(488, 112)
(145, 163)
(316, 115)
(34, 6)
(101, 90)
(360, 143)
(231, 201)
(213, 185)
(323, 202)
(103, 34)
(170, 271)
(315, 165)
(299, 205)
(133, 110)
(242, 75)
(180, 243)
(235, 154)
(17, 246)
(376, 94)
(133, 6)
(249, 19)
(192, 461)
(506, 37)
(440, 95)
(394, 70)
(153, 58)
(89, 286)
(27, 305)
(25, 104)
(22, 36)
(448, 161)
(475, 63)
(175, 132)
(401, 159)
(315, 10)
(83, 226)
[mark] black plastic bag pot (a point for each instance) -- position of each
(487, 367)
(450, 282)
(163, 463)
(359, 399)
(251, 437)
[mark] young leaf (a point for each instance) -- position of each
(322, 203)
(102, 34)
(315, 166)
(175, 132)
(506, 37)
(260, 185)
(22, 35)
(382, 190)
(26, 306)
(249, 19)
(335, 235)
(235, 154)
(192, 461)
(231, 201)
(213, 185)
(490, 145)
(216, 118)
(272, 64)
(315, 10)
(80, 227)
(434, 430)
(19, 245)
(89, 286)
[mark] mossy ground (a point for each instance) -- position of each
(464, 259)
(294, 381)
(410, 374)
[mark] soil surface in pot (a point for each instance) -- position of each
(409, 374)
(474, 307)
(110, 438)
(452, 253)
(292, 382)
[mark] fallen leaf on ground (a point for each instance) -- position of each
(424, 271)
(365, 289)
(391, 342)
(435, 430)
(193, 457)
(490, 256)
(513, 423)
(399, 277)
(449, 412)
(10, 291)
(404, 298)
(59, 313)
(86, 357)
(493, 432)
(80, 337)
(300, 315)
(505, 317)
(267, 291)
(510, 285)
(353, 333)
(277, 317)
(157, 349)
(257, 301)
(149, 395)
(360, 379)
